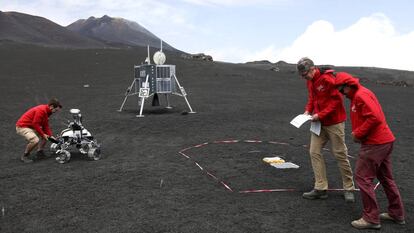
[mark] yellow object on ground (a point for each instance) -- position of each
(273, 160)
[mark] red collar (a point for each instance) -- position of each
(317, 75)
(48, 110)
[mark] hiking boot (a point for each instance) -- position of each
(362, 224)
(349, 196)
(315, 194)
(26, 159)
(33, 157)
(386, 216)
(40, 154)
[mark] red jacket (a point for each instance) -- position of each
(37, 118)
(367, 118)
(324, 99)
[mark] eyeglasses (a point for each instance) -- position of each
(304, 74)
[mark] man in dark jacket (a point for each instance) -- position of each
(33, 125)
(370, 128)
(325, 104)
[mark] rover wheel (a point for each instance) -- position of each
(84, 148)
(94, 153)
(63, 156)
(54, 147)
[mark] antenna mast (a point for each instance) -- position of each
(148, 60)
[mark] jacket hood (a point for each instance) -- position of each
(345, 78)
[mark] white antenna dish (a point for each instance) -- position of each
(159, 58)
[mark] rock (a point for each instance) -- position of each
(197, 56)
(276, 69)
(266, 62)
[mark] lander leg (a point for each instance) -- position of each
(168, 101)
(143, 93)
(142, 107)
(184, 94)
(126, 95)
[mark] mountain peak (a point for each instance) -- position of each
(117, 31)
(106, 17)
(84, 33)
(25, 28)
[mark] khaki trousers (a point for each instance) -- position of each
(336, 135)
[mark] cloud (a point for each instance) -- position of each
(237, 55)
(372, 42)
(233, 2)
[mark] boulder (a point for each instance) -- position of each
(197, 56)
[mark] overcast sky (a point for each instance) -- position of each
(377, 33)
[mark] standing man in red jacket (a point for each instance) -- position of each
(325, 104)
(33, 125)
(370, 128)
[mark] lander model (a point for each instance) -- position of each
(150, 80)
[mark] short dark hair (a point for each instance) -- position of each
(55, 103)
(304, 65)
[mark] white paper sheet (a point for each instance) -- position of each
(300, 119)
(315, 127)
(284, 165)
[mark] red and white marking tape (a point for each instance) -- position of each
(226, 141)
(247, 141)
(200, 145)
(253, 141)
(376, 186)
(340, 190)
(267, 190)
(278, 143)
(184, 154)
(226, 186)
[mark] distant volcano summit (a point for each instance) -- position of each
(93, 32)
(28, 29)
(116, 31)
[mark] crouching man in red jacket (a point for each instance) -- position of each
(33, 125)
(370, 128)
